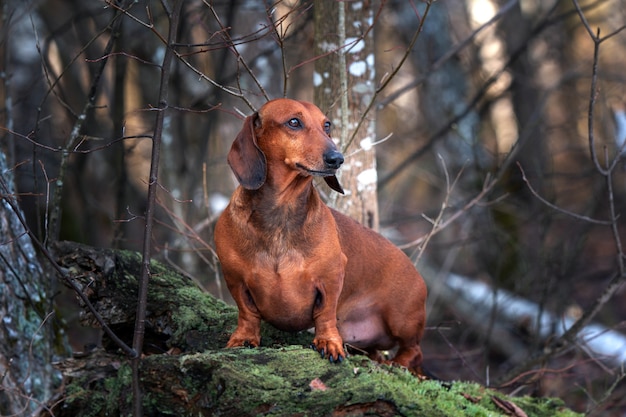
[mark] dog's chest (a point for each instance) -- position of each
(283, 289)
(280, 268)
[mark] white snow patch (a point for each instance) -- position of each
(363, 88)
(218, 202)
(366, 144)
(356, 45)
(357, 68)
(366, 178)
(620, 128)
(263, 76)
(158, 55)
(317, 79)
(605, 342)
(328, 46)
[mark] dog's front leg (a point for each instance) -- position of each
(328, 341)
(248, 332)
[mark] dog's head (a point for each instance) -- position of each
(292, 133)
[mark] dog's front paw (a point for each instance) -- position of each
(239, 339)
(331, 348)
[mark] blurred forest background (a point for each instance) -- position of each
(497, 128)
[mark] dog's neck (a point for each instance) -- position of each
(290, 199)
(283, 208)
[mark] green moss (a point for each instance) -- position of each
(119, 390)
(81, 395)
(277, 382)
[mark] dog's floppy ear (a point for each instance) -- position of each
(333, 183)
(246, 158)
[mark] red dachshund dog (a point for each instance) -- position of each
(292, 261)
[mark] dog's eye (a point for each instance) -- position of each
(327, 126)
(294, 123)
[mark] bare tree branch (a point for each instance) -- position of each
(557, 208)
(144, 279)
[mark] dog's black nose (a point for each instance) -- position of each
(333, 159)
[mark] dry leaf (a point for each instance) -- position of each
(470, 398)
(508, 407)
(317, 385)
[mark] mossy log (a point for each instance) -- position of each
(187, 372)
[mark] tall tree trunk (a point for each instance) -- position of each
(526, 92)
(30, 339)
(344, 85)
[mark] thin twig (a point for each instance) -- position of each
(557, 208)
(375, 143)
(444, 205)
(607, 393)
(488, 185)
(593, 93)
(144, 279)
(344, 105)
(614, 225)
(281, 36)
(458, 353)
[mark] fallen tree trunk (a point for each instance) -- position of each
(477, 302)
(186, 370)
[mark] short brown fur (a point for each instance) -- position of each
(292, 261)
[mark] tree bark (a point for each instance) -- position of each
(30, 337)
(344, 86)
